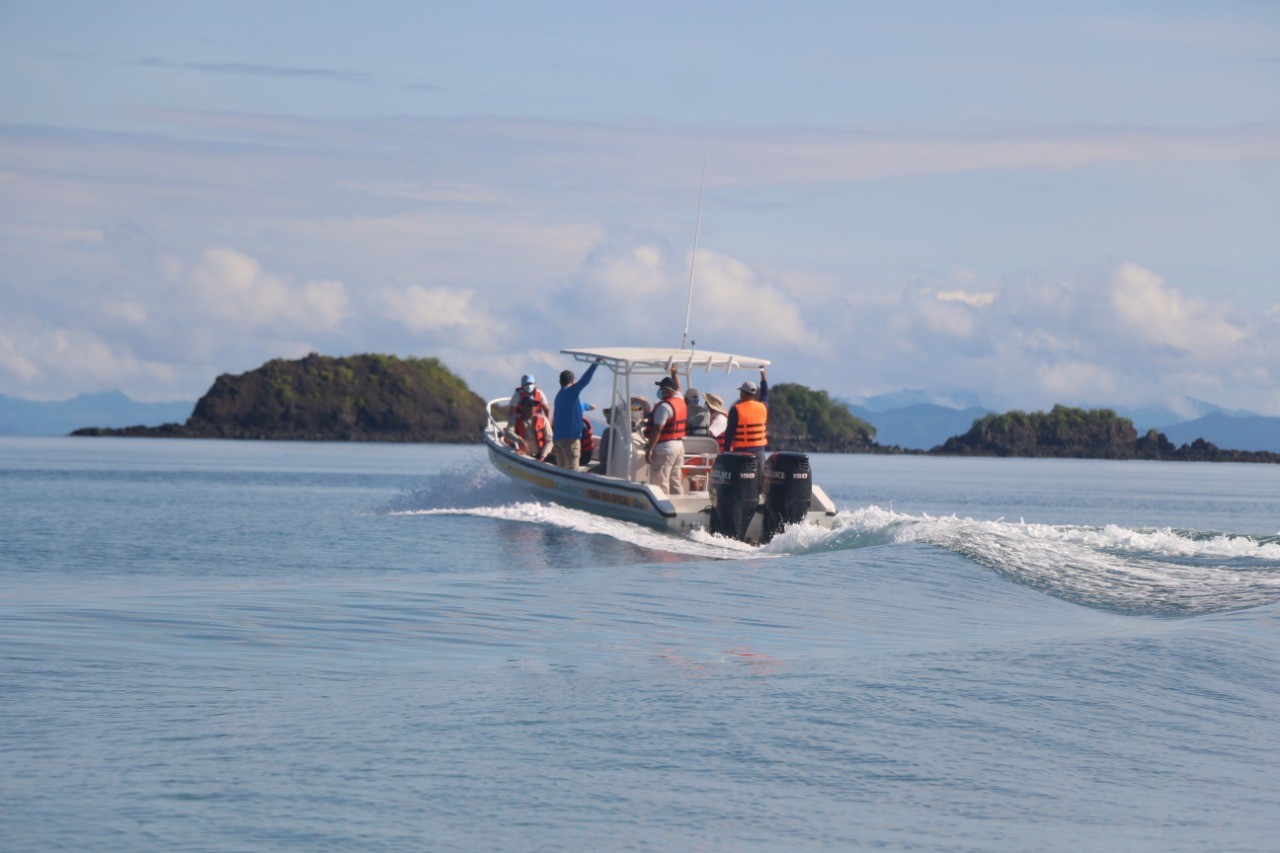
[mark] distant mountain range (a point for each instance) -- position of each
(920, 426)
(1248, 432)
(111, 409)
(917, 420)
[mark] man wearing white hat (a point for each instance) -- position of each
(748, 426)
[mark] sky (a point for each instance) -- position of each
(1017, 203)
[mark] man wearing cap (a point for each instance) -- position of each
(665, 450)
(532, 431)
(748, 426)
(567, 422)
(526, 388)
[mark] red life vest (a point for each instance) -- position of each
(588, 437)
(537, 395)
(673, 427)
(752, 431)
(539, 430)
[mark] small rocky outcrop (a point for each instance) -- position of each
(1066, 432)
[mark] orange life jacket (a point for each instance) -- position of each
(588, 437)
(673, 427)
(753, 417)
(539, 432)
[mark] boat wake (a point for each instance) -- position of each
(479, 491)
(1164, 572)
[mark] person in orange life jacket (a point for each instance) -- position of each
(526, 388)
(568, 419)
(748, 424)
(665, 449)
(719, 419)
(532, 429)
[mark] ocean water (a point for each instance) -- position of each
(242, 646)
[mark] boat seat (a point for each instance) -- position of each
(700, 453)
(700, 445)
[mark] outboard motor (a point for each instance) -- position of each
(735, 493)
(788, 491)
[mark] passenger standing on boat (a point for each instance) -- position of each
(526, 388)
(699, 417)
(719, 419)
(665, 450)
(568, 420)
(748, 424)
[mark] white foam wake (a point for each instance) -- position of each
(698, 545)
(1160, 571)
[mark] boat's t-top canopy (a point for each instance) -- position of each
(630, 404)
(659, 360)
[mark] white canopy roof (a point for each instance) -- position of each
(660, 360)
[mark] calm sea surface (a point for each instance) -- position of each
(242, 646)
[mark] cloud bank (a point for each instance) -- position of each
(154, 262)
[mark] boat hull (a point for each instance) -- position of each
(629, 501)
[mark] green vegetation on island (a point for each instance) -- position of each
(806, 420)
(321, 398)
(1066, 432)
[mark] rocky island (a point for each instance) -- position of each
(321, 398)
(385, 398)
(1071, 433)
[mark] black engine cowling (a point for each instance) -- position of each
(735, 493)
(788, 491)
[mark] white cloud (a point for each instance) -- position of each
(234, 288)
(52, 362)
(1076, 381)
(424, 309)
(973, 300)
(1161, 316)
(1117, 336)
(733, 301)
(505, 244)
(15, 358)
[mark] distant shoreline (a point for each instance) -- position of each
(1215, 455)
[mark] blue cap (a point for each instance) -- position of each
(527, 379)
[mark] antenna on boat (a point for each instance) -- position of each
(693, 262)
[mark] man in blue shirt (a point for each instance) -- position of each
(566, 423)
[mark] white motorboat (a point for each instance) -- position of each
(724, 493)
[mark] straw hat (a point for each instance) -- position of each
(714, 403)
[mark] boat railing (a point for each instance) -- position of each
(700, 451)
